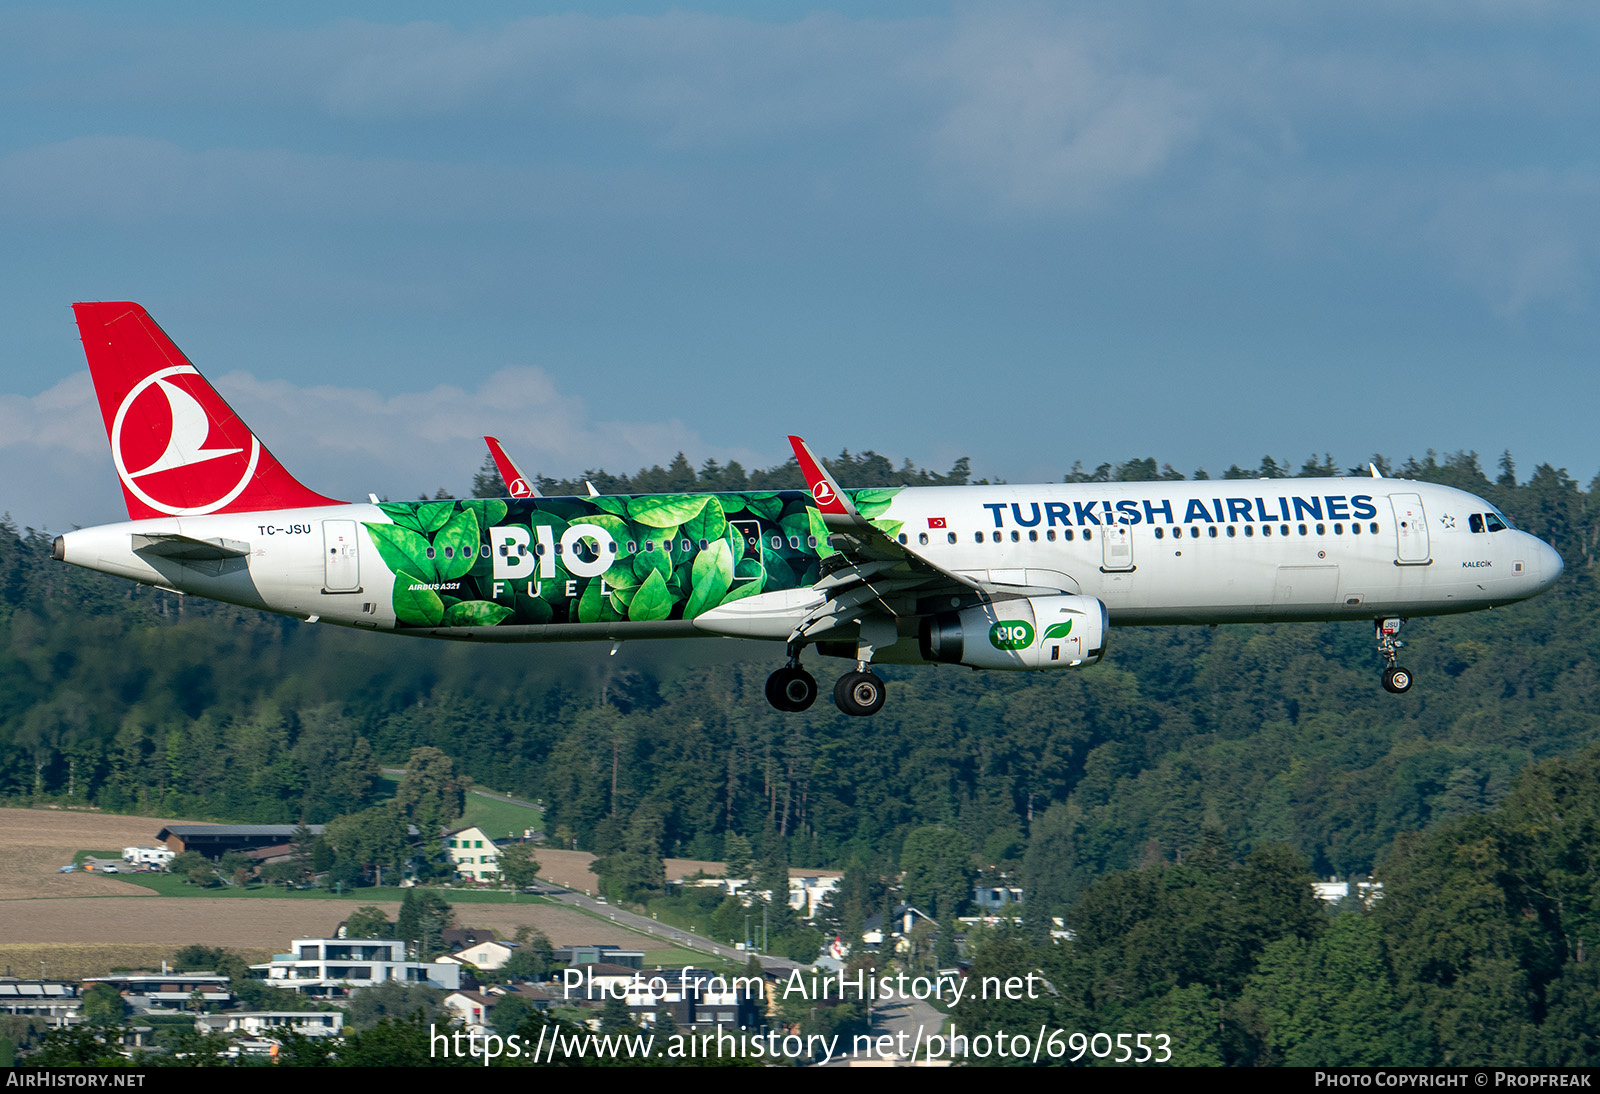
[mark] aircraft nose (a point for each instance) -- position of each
(1550, 565)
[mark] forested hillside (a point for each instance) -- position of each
(132, 699)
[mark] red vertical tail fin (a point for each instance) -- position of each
(179, 448)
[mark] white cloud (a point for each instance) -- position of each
(1044, 114)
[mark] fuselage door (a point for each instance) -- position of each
(750, 531)
(1116, 543)
(340, 557)
(1411, 530)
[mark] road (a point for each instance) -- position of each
(645, 925)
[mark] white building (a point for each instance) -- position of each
(334, 967)
(485, 955)
(56, 1001)
(148, 856)
(167, 989)
(808, 892)
(267, 1024)
(473, 854)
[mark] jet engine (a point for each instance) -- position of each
(1031, 632)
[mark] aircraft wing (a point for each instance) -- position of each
(868, 570)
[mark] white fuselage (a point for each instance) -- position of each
(1217, 551)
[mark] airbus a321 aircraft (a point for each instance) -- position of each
(994, 577)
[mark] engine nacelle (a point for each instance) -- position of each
(1033, 632)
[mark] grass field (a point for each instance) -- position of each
(174, 885)
(500, 819)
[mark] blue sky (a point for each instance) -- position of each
(1030, 234)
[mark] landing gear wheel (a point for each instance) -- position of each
(859, 693)
(791, 689)
(1396, 680)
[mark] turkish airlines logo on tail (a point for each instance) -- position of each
(520, 489)
(161, 443)
(822, 492)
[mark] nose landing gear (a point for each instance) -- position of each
(1395, 679)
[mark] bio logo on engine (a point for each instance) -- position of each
(1011, 635)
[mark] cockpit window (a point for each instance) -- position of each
(1494, 523)
(1475, 522)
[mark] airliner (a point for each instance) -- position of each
(992, 577)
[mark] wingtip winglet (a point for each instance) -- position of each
(829, 498)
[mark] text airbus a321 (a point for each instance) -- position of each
(994, 577)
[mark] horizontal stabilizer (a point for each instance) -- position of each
(189, 549)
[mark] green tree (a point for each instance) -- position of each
(937, 871)
(424, 916)
(375, 839)
(431, 794)
(1331, 1001)
(518, 866)
(394, 1000)
(638, 871)
(486, 481)
(737, 855)
(368, 921)
(103, 1006)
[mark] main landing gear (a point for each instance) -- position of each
(1395, 679)
(792, 688)
(860, 692)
